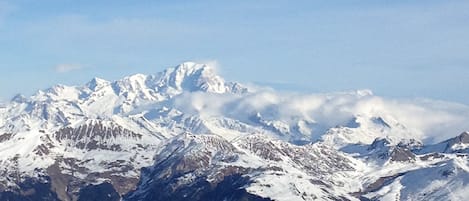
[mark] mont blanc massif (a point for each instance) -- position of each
(187, 134)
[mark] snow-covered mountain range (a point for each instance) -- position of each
(187, 134)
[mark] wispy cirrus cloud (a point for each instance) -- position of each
(64, 68)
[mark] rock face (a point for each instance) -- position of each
(187, 134)
(385, 150)
(95, 136)
(188, 168)
(208, 167)
(101, 192)
(458, 144)
(229, 188)
(31, 190)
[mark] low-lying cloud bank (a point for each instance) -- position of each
(429, 120)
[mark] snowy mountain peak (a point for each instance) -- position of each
(192, 66)
(459, 142)
(464, 137)
(97, 83)
(136, 78)
(19, 98)
(190, 76)
(136, 83)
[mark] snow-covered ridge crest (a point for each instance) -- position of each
(63, 105)
(188, 76)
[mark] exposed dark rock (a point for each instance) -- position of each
(447, 173)
(61, 183)
(463, 138)
(339, 198)
(380, 121)
(379, 143)
(30, 190)
(121, 184)
(376, 186)
(383, 149)
(6, 136)
(68, 187)
(42, 150)
(431, 156)
(319, 182)
(266, 150)
(401, 154)
(230, 189)
(456, 145)
(94, 136)
(411, 144)
(312, 158)
(101, 192)
(185, 170)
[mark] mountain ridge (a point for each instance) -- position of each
(189, 129)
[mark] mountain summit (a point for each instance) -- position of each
(191, 76)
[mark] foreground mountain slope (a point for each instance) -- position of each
(199, 167)
(187, 134)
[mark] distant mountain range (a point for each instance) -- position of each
(187, 134)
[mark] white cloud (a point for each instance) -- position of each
(212, 63)
(428, 120)
(64, 68)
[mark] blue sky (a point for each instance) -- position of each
(402, 49)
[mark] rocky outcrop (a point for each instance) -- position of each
(31, 189)
(188, 168)
(6, 136)
(95, 135)
(385, 150)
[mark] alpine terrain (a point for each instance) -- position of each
(187, 134)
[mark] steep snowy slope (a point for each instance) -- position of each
(446, 180)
